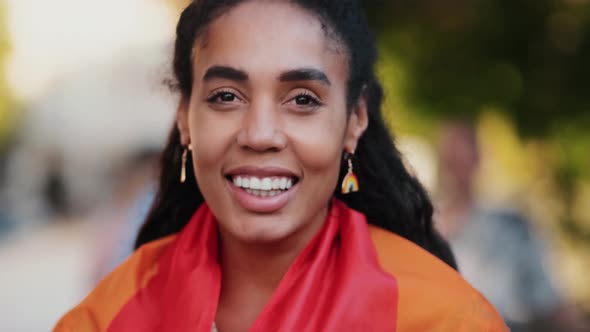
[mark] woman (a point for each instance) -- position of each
(266, 226)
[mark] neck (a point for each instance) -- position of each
(259, 265)
(263, 265)
(252, 271)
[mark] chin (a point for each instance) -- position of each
(262, 229)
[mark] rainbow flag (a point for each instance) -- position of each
(350, 277)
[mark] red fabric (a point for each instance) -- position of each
(334, 284)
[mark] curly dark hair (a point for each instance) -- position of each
(391, 198)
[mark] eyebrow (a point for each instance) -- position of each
(301, 74)
(224, 72)
(304, 74)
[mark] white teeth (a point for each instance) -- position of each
(263, 186)
(254, 183)
(276, 184)
(266, 184)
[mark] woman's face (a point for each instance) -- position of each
(267, 120)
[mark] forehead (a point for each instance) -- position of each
(270, 36)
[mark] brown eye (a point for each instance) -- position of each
(305, 100)
(227, 97)
(223, 97)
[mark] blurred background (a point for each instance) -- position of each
(489, 101)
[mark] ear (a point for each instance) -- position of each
(357, 123)
(182, 121)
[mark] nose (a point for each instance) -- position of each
(261, 129)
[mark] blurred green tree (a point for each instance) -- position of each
(530, 59)
(527, 57)
(6, 111)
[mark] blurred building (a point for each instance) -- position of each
(88, 79)
(73, 136)
(90, 75)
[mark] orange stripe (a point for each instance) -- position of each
(432, 296)
(98, 309)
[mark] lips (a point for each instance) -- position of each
(262, 190)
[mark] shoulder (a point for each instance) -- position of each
(432, 296)
(97, 310)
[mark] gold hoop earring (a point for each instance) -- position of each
(183, 166)
(350, 183)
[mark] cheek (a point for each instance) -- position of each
(318, 143)
(212, 135)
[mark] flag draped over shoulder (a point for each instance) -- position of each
(350, 277)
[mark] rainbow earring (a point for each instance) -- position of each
(350, 183)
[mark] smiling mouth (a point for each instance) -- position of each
(263, 186)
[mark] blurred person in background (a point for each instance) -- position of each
(279, 136)
(118, 222)
(6, 222)
(496, 248)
